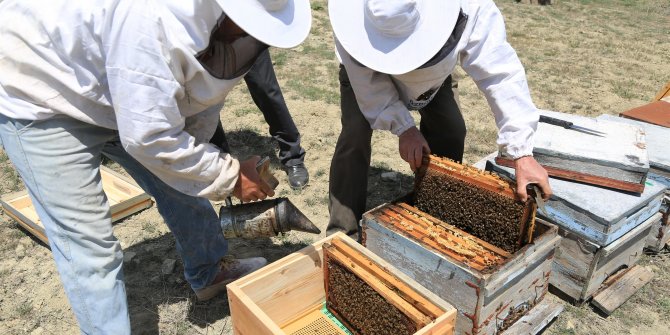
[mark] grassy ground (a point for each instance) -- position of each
(587, 57)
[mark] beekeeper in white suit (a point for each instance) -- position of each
(130, 80)
(397, 56)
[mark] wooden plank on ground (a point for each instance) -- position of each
(622, 289)
(536, 319)
(124, 196)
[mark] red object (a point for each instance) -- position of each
(657, 112)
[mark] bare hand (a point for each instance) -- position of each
(529, 171)
(412, 146)
(249, 186)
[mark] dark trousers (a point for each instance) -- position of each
(441, 124)
(264, 90)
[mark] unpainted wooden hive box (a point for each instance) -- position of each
(287, 296)
(124, 196)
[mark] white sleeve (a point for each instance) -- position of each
(494, 66)
(377, 96)
(142, 79)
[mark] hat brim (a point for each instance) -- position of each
(285, 28)
(393, 55)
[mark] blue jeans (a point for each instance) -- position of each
(59, 162)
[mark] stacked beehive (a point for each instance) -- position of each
(603, 230)
(465, 237)
(659, 171)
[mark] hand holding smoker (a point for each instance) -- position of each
(264, 218)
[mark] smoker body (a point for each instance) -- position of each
(265, 218)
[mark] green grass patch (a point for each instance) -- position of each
(664, 306)
(623, 90)
(245, 111)
(320, 173)
(24, 309)
(308, 91)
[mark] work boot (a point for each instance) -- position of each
(298, 177)
(230, 270)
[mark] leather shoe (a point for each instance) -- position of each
(298, 177)
(229, 271)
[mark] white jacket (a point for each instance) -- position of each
(126, 65)
(485, 55)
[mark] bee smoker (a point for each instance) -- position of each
(263, 219)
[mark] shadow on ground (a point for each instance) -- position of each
(246, 142)
(381, 191)
(148, 289)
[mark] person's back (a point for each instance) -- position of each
(73, 72)
(58, 55)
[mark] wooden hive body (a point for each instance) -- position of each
(581, 267)
(483, 295)
(285, 297)
(659, 162)
(124, 196)
(603, 231)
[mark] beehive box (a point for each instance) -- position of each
(618, 159)
(491, 288)
(582, 267)
(603, 232)
(287, 296)
(124, 196)
(659, 162)
(659, 235)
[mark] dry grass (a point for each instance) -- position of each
(587, 57)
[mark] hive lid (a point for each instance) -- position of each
(657, 112)
(602, 205)
(656, 137)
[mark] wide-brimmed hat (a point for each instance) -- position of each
(393, 36)
(278, 23)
